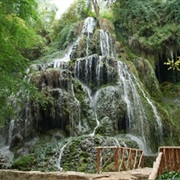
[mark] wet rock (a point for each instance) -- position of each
(17, 141)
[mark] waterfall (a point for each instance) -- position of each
(58, 160)
(95, 71)
(157, 117)
(79, 106)
(132, 99)
(84, 69)
(106, 44)
(89, 25)
(88, 28)
(112, 97)
(27, 115)
(62, 63)
(99, 71)
(116, 142)
(136, 118)
(139, 142)
(10, 132)
(92, 99)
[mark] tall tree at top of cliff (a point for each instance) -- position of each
(96, 4)
(96, 7)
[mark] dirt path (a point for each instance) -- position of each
(138, 174)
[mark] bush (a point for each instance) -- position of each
(170, 175)
(24, 163)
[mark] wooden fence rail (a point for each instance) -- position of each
(168, 160)
(123, 158)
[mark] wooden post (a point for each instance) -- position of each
(98, 159)
(124, 158)
(177, 164)
(135, 160)
(154, 172)
(141, 159)
(116, 159)
(122, 165)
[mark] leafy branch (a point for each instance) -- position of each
(174, 65)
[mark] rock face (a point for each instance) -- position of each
(94, 97)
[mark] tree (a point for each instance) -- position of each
(16, 35)
(96, 7)
(97, 3)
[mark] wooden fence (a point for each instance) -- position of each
(168, 160)
(121, 158)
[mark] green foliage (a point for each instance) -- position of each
(173, 64)
(172, 10)
(170, 175)
(106, 13)
(66, 36)
(76, 12)
(24, 163)
(24, 9)
(16, 36)
(152, 25)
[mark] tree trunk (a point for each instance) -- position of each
(96, 7)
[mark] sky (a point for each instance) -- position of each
(62, 5)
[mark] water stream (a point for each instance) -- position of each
(88, 28)
(106, 44)
(93, 99)
(78, 105)
(136, 117)
(58, 163)
(10, 132)
(140, 143)
(157, 117)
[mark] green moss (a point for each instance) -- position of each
(82, 165)
(24, 163)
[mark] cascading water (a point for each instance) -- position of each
(79, 106)
(100, 96)
(136, 118)
(62, 63)
(92, 99)
(157, 117)
(90, 70)
(106, 44)
(6, 156)
(88, 28)
(140, 143)
(131, 96)
(11, 128)
(58, 163)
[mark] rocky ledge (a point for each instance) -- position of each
(138, 174)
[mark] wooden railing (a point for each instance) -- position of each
(121, 158)
(168, 160)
